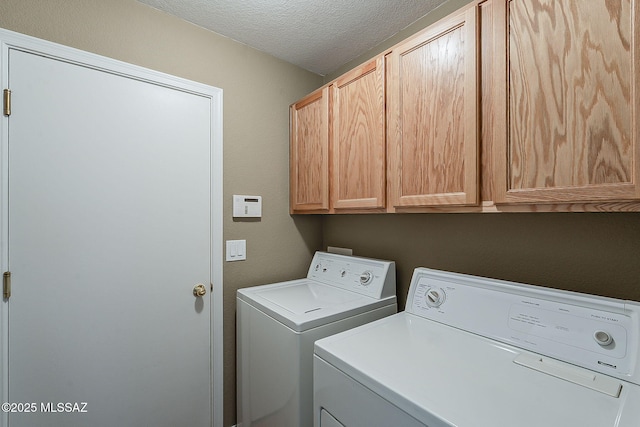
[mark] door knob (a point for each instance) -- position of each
(199, 290)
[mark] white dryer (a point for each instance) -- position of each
(277, 325)
(477, 352)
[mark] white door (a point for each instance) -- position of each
(109, 229)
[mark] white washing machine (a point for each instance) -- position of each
(277, 325)
(477, 352)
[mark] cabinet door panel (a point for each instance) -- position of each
(309, 153)
(358, 174)
(433, 115)
(487, 104)
(569, 90)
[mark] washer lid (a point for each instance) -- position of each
(444, 377)
(303, 304)
(306, 297)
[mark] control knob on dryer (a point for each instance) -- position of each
(435, 297)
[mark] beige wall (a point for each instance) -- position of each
(597, 253)
(257, 92)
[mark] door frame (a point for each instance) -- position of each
(12, 40)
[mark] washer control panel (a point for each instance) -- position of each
(593, 332)
(371, 277)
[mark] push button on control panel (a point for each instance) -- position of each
(603, 338)
(320, 267)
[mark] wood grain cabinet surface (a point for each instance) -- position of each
(433, 115)
(358, 174)
(568, 74)
(309, 154)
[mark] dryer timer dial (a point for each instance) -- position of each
(435, 297)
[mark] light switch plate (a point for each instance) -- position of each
(236, 250)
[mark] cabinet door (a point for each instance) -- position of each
(568, 97)
(358, 157)
(309, 153)
(433, 115)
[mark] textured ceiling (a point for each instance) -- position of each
(318, 35)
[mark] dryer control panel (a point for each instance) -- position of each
(367, 276)
(594, 332)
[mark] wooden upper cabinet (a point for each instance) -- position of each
(433, 115)
(567, 96)
(309, 153)
(358, 139)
